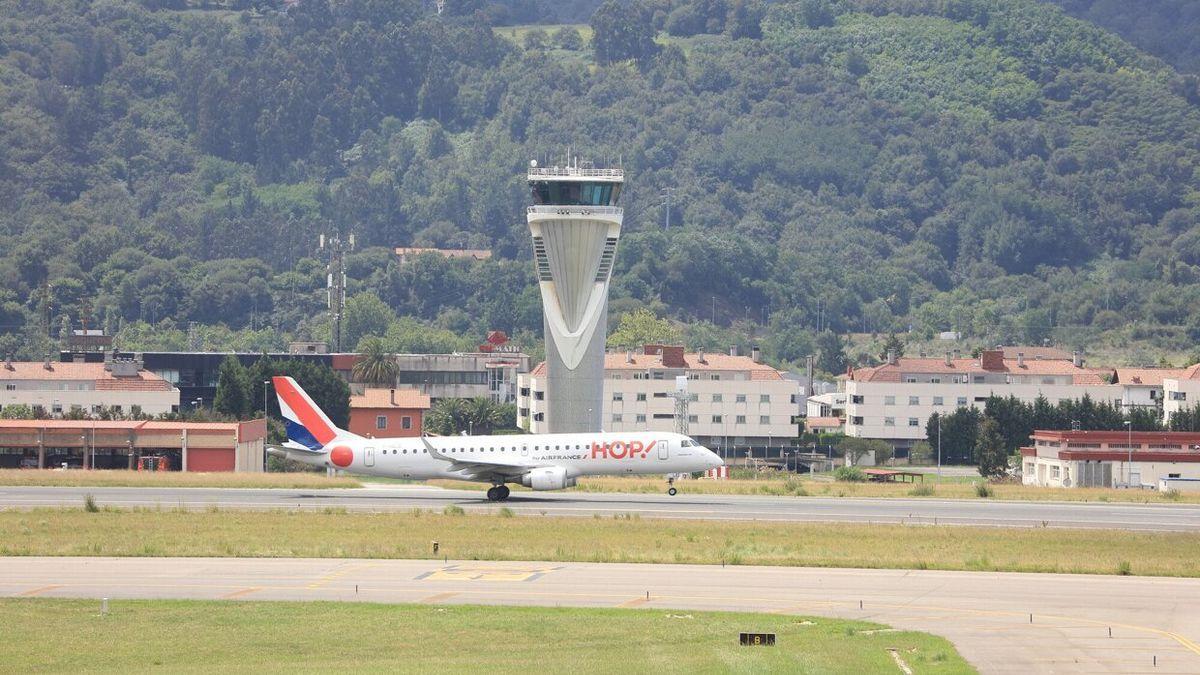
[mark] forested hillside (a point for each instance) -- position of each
(1168, 29)
(993, 167)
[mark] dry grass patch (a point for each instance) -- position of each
(338, 534)
(81, 478)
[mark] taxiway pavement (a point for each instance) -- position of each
(1000, 622)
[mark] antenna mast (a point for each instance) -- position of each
(335, 279)
(682, 398)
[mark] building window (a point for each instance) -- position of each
(641, 419)
(539, 396)
(978, 379)
(641, 397)
(714, 376)
(658, 374)
(10, 387)
(740, 419)
(889, 421)
(616, 417)
(539, 417)
(717, 398)
(889, 400)
(764, 398)
(764, 419)
(716, 419)
(741, 398)
(856, 399)
(856, 420)
(962, 400)
(937, 400)
(694, 419)
(405, 422)
(914, 422)
(910, 379)
(1054, 471)
(380, 421)
(618, 396)
(914, 400)
(935, 380)
(56, 407)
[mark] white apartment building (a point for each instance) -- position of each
(893, 401)
(59, 388)
(1181, 392)
(735, 402)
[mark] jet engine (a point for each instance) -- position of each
(547, 478)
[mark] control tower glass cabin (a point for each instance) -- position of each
(575, 224)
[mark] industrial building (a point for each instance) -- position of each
(731, 402)
(57, 388)
(575, 225)
(388, 413)
(1138, 459)
(173, 446)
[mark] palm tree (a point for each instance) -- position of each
(446, 417)
(375, 365)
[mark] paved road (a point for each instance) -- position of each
(986, 615)
(1178, 518)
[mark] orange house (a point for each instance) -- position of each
(388, 413)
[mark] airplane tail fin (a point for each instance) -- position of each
(306, 423)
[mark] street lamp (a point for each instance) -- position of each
(939, 447)
(1129, 449)
(266, 422)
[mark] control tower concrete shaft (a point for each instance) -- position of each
(575, 225)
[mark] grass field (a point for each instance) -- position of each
(44, 635)
(504, 536)
(955, 488)
(517, 33)
(80, 478)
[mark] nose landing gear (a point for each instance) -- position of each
(498, 493)
(671, 486)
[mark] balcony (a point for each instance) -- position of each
(565, 210)
(574, 172)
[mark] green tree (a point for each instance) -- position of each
(535, 40)
(326, 388)
(233, 389)
(366, 315)
(989, 450)
(642, 327)
(623, 31)
(893, 346)
(831, 353)
(958, 431)
(375, 365)
(568, 38)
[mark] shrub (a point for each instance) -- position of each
(453, 510)
(1171, 494)
(983, 490)
(921, 491)
(89, 503)
(850, 474)
(1124, 569)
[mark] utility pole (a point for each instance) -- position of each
(336, 281)
(682, 398)
(939, 416)
(667, 193)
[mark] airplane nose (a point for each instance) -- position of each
(714, 461)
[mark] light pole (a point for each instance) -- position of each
(266, 423)
(939, 447)
(1129, 449)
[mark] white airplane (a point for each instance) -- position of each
(541, 462)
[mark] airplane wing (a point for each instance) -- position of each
(505, 467)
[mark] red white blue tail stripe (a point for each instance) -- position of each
(306, 423)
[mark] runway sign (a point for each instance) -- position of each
(757, 639)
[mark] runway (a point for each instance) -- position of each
(1002, 623)
(1142, 517)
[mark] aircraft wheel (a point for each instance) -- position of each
(493, 494)
(672, 491)
(503, 491)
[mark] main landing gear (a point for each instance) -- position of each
(498, 493)
(671, 486)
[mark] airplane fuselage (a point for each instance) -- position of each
(584, 454)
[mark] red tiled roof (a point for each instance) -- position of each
(409, 399)
(1192, 372)
(693, 361)
(892, 372)
(95, 372)
(823, 423)
(1150, 377)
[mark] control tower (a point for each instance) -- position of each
(575, 225)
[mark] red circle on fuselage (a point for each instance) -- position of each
(341, 456)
